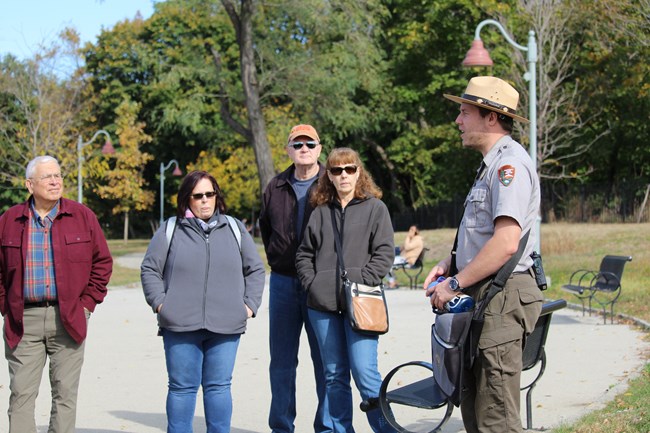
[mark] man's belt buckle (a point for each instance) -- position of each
(41, 304)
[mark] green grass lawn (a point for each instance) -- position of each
(569, 247)
(565, 248)
(125, 276)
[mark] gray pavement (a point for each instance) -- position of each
(123, 385)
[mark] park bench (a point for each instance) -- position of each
(602, 286)
(425, 393)
(413, 271)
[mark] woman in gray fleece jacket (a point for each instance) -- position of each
(348, 192)
(204, 286)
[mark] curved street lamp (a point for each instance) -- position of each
(177, 172)
(479, 56)
(107, 149)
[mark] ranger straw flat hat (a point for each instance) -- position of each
(491, 93)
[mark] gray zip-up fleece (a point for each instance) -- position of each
(368, 247)
(204, 282)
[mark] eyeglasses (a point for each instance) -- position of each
(200, 195)
(53, 176)
(349, 169)
(297, 145)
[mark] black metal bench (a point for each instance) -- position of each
(413, 271)
(602, 286)
(425, 394)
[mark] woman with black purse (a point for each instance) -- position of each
(348, 207)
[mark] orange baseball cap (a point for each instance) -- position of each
(306, 130)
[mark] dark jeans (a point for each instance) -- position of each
(287, 316)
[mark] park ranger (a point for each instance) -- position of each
(501, 207)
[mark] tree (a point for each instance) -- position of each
(424, 42)
(561, 120)
(319, 58)
(316, 60)
(41, 108)
(125, 182)
(584, 49)
(614, 68)
(255, 134)
(370, 74)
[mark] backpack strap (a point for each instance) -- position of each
(235, 229)
(170, 226)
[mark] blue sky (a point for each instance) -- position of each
(26, 23)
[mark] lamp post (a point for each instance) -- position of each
(479, 56)
(107, 149)
(177, 172)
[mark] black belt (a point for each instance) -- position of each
(41, 304)
(528, 271)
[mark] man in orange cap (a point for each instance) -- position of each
(283, 218)
(501, 207)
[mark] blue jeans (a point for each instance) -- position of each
(199, 358)
(287, 315)
(345, 351)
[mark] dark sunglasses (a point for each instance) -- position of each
(349, 169)
(297, 145)
(200, 195)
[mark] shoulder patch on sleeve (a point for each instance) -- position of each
(506, 174)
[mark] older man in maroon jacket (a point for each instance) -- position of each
(54, 268)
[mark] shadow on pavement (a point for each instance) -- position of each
(153, 420)
(146, 419)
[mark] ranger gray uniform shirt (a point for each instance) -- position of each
(507, 187)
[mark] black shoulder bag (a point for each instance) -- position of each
(455, 336)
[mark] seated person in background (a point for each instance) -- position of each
(409, 253)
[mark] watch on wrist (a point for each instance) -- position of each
(453, 284)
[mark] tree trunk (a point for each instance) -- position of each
(645, 200)
(243, 24)
(126, 228)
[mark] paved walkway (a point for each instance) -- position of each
(124, 381)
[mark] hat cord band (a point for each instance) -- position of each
(492, 104)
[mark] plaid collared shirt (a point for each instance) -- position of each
(39, 283)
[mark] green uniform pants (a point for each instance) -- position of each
(491, 393)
